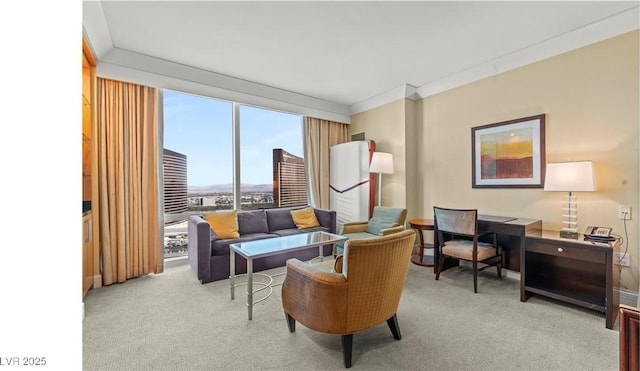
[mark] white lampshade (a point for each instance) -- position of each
(381, 163)
(570, 177)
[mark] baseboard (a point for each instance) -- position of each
(511, 274)
(97, 281)
(627, 297)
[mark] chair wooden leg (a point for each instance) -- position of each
(395, 328)
(347, 345)
(291, 322)
(499, 270)
(441, 260)
(475, 277)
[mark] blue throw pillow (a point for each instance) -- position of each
(375, 226)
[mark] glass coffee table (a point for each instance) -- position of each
(273, 246)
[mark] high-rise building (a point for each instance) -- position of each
(289, 181)
(175, 181)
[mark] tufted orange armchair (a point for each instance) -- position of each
(364, 292)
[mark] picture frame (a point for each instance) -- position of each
(509, 154)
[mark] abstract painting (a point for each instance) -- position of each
(509, 154)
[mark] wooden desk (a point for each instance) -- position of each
(574, 271)
(511, 232)
(422, 225)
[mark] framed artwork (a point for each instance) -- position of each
(509, 154)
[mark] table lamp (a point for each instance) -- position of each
(570, 177)
(381, 163)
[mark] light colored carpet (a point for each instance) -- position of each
(172, 322)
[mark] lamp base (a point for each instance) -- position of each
(569, 234)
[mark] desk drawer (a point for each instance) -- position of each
(566, 250)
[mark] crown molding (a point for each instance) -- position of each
(142, 69)
(95, 29)
(403, 92)
(618, 24)
(125, 65)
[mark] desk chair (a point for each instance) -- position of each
(461, 228)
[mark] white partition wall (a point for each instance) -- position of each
(350, 182)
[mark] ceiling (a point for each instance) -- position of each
(337, 51)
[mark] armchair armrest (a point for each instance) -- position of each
(314, 297)
(494, 236)
(486, 233)
(354, 227)
(314, 272)
(391, 230)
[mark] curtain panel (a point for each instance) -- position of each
(319, 136)
(128, 165)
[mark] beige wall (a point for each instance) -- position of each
(591, 101)
(386, 125)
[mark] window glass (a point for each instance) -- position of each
(271, 159)
(197, 162)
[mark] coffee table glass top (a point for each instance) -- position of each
(276, 245)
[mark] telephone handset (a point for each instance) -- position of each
(600, 234)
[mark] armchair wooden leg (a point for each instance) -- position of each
(475, 277)
(347, 345)
(441, 260)
(395, 328)
(291, 322)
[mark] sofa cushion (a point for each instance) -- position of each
(290, 231)
(254, 221)
(224, 224)
(305, 218)
(352, 236)
(278, 219)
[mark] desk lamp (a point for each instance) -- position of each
(381, 163)
(570, 177)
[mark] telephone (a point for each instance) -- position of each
(599, 234)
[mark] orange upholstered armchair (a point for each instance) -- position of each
(364, 293)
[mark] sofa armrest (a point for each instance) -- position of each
(326, 218)
(392, 230)
(199, 246)
(354, 227)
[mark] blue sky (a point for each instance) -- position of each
(201, 128)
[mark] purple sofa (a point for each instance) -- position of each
(209, 256)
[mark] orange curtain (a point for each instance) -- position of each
(128, 174)
(319, 136)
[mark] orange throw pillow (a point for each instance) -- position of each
(305, 218)
(224, 224)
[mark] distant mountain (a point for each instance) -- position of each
(228, 188)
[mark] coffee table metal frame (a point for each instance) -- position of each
(272, 246)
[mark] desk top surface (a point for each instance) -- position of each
(507, 220)
(494, 218)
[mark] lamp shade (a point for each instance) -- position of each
(381, 163)
(570, 177)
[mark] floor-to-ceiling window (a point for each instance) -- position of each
(208, 168)
(269, 141)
